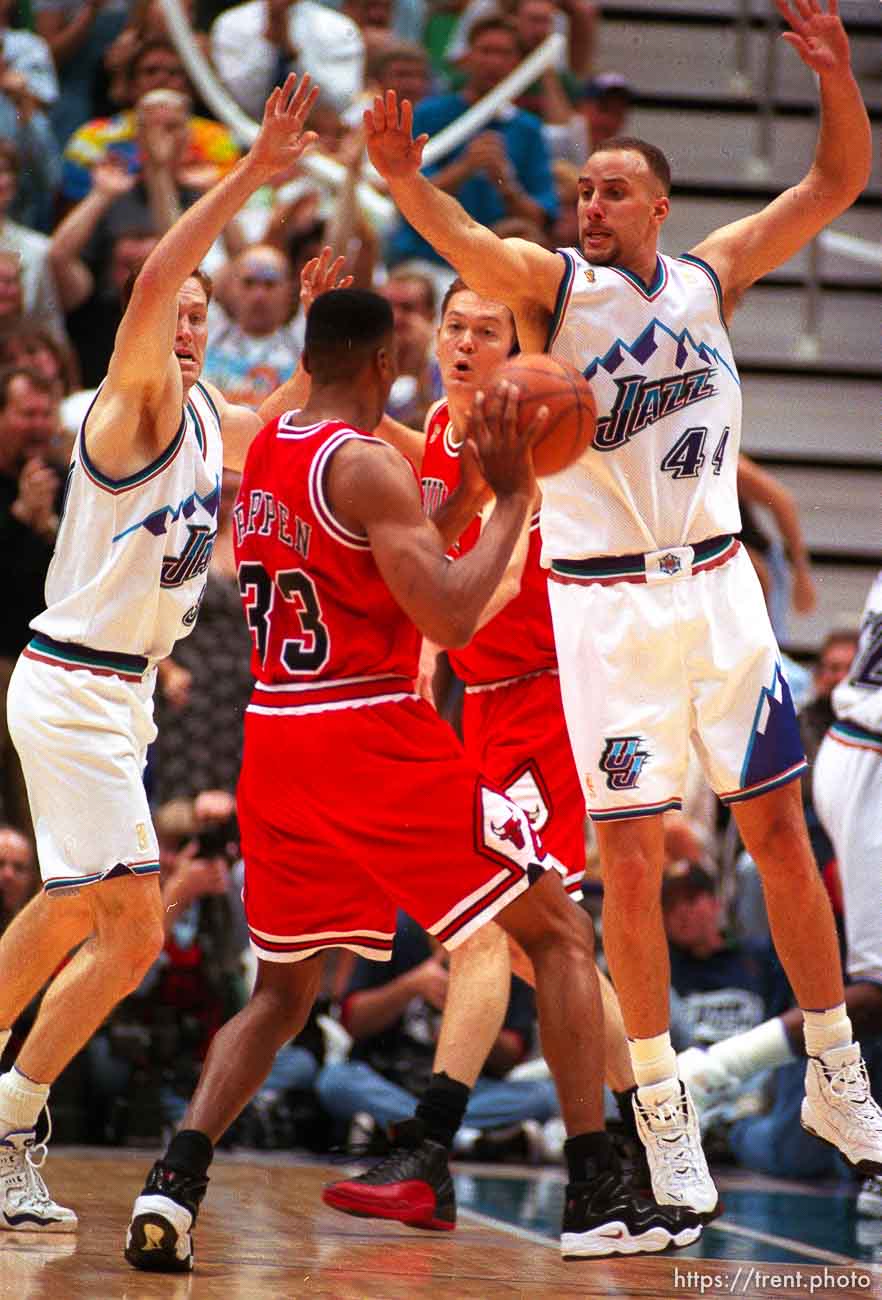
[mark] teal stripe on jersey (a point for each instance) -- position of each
(81, 656)
(209, 399)
(144, 475)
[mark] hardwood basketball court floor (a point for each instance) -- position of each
(264, 1234)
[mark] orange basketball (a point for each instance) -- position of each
(572, 413)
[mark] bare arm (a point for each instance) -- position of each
(765, 490)
(369, 1011)
(144, 375)
(372, 489)
(110, 180)
(515, 272)
(744, 251)
(65, 36)
(583, 26)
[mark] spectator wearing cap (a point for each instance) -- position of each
(502, 170)
(598, 112)
(254, 345)
(208, 149)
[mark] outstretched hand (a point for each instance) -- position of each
(321, 275)
(817, 35)
(281, 140)
(389, 137)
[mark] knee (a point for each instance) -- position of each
(567, 935)
(632, 884)
(285, 998)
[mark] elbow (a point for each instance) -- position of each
(452, 632)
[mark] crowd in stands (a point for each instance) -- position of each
(103, 142)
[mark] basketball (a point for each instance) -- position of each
(572, 413)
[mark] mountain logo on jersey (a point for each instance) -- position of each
(193, 560)
(157, 522)
(641, 402)
(623, 760)
(775, 744)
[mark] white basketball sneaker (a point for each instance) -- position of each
(711, 1087)
(839, 1107)
(869, 1201)
(25, 1203)
(668, 1126)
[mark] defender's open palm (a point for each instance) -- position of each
(389, 137)
(281, 139)
(503, 447)
(818, 35)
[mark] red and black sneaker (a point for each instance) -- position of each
(412, 1184)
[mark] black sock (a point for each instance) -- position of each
(442, 1107)
(625, 1103)
(587, 1155)
(189, 1152)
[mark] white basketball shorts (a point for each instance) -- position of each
(847, 788)
(82, 739)
(684, 653)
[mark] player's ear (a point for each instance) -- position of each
(661, 207)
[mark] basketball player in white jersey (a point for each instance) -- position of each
(126, 579)
(661, 630)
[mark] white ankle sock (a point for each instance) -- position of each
(826, 1029)
(652, 1059)
(21, 1101)
(760, 1048)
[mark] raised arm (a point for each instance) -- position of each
(523, 276)
(744, 251)
(144, 373)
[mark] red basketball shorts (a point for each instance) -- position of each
(516, 734)
(348, 814)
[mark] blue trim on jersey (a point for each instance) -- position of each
(59, 884)
(853, 733)
(654, 288)
(777, 748)
(642, 810)
(763, 787)
(714, 279)
(704, 350)
(210, 400)
(134, 480)
(563, 294)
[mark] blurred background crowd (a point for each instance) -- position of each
(104, 140)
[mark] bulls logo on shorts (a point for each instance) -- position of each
(506, 830)
(622, 760)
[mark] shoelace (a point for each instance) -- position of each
(33, 1189)
(669, 1124)
(850, 1084)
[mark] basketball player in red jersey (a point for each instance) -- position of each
(515, 734)
(355, 798)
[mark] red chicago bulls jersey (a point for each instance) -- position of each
(324, 624)
(519, 639)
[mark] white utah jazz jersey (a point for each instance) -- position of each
(661, 468)
(131, 558)
(858, 698)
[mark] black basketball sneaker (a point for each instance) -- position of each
(606, 1216)
(159, 1239)
(412, 1184)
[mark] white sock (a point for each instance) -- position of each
(826, 1029)
(760, 1048)
(653, 1060)
(21, 1101)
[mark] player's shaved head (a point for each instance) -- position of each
(343, 328)
(655, 160)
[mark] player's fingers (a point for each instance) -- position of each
(391, 109)
(407, 117)
(787, 14)
(536, 427)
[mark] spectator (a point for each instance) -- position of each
(534, 20)
(599, 111)
(37, 349)
(403, 67)
(393, 1012)
(40, 299)
(18, 873)
(255, 346)
(28, 87)
(146, 22)
(374, 20)
(77, 34)
(412, 296)
(255, 44)
(502, 171)
(29, 498)
(207, 152)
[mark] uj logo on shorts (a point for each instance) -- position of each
(623, 760)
